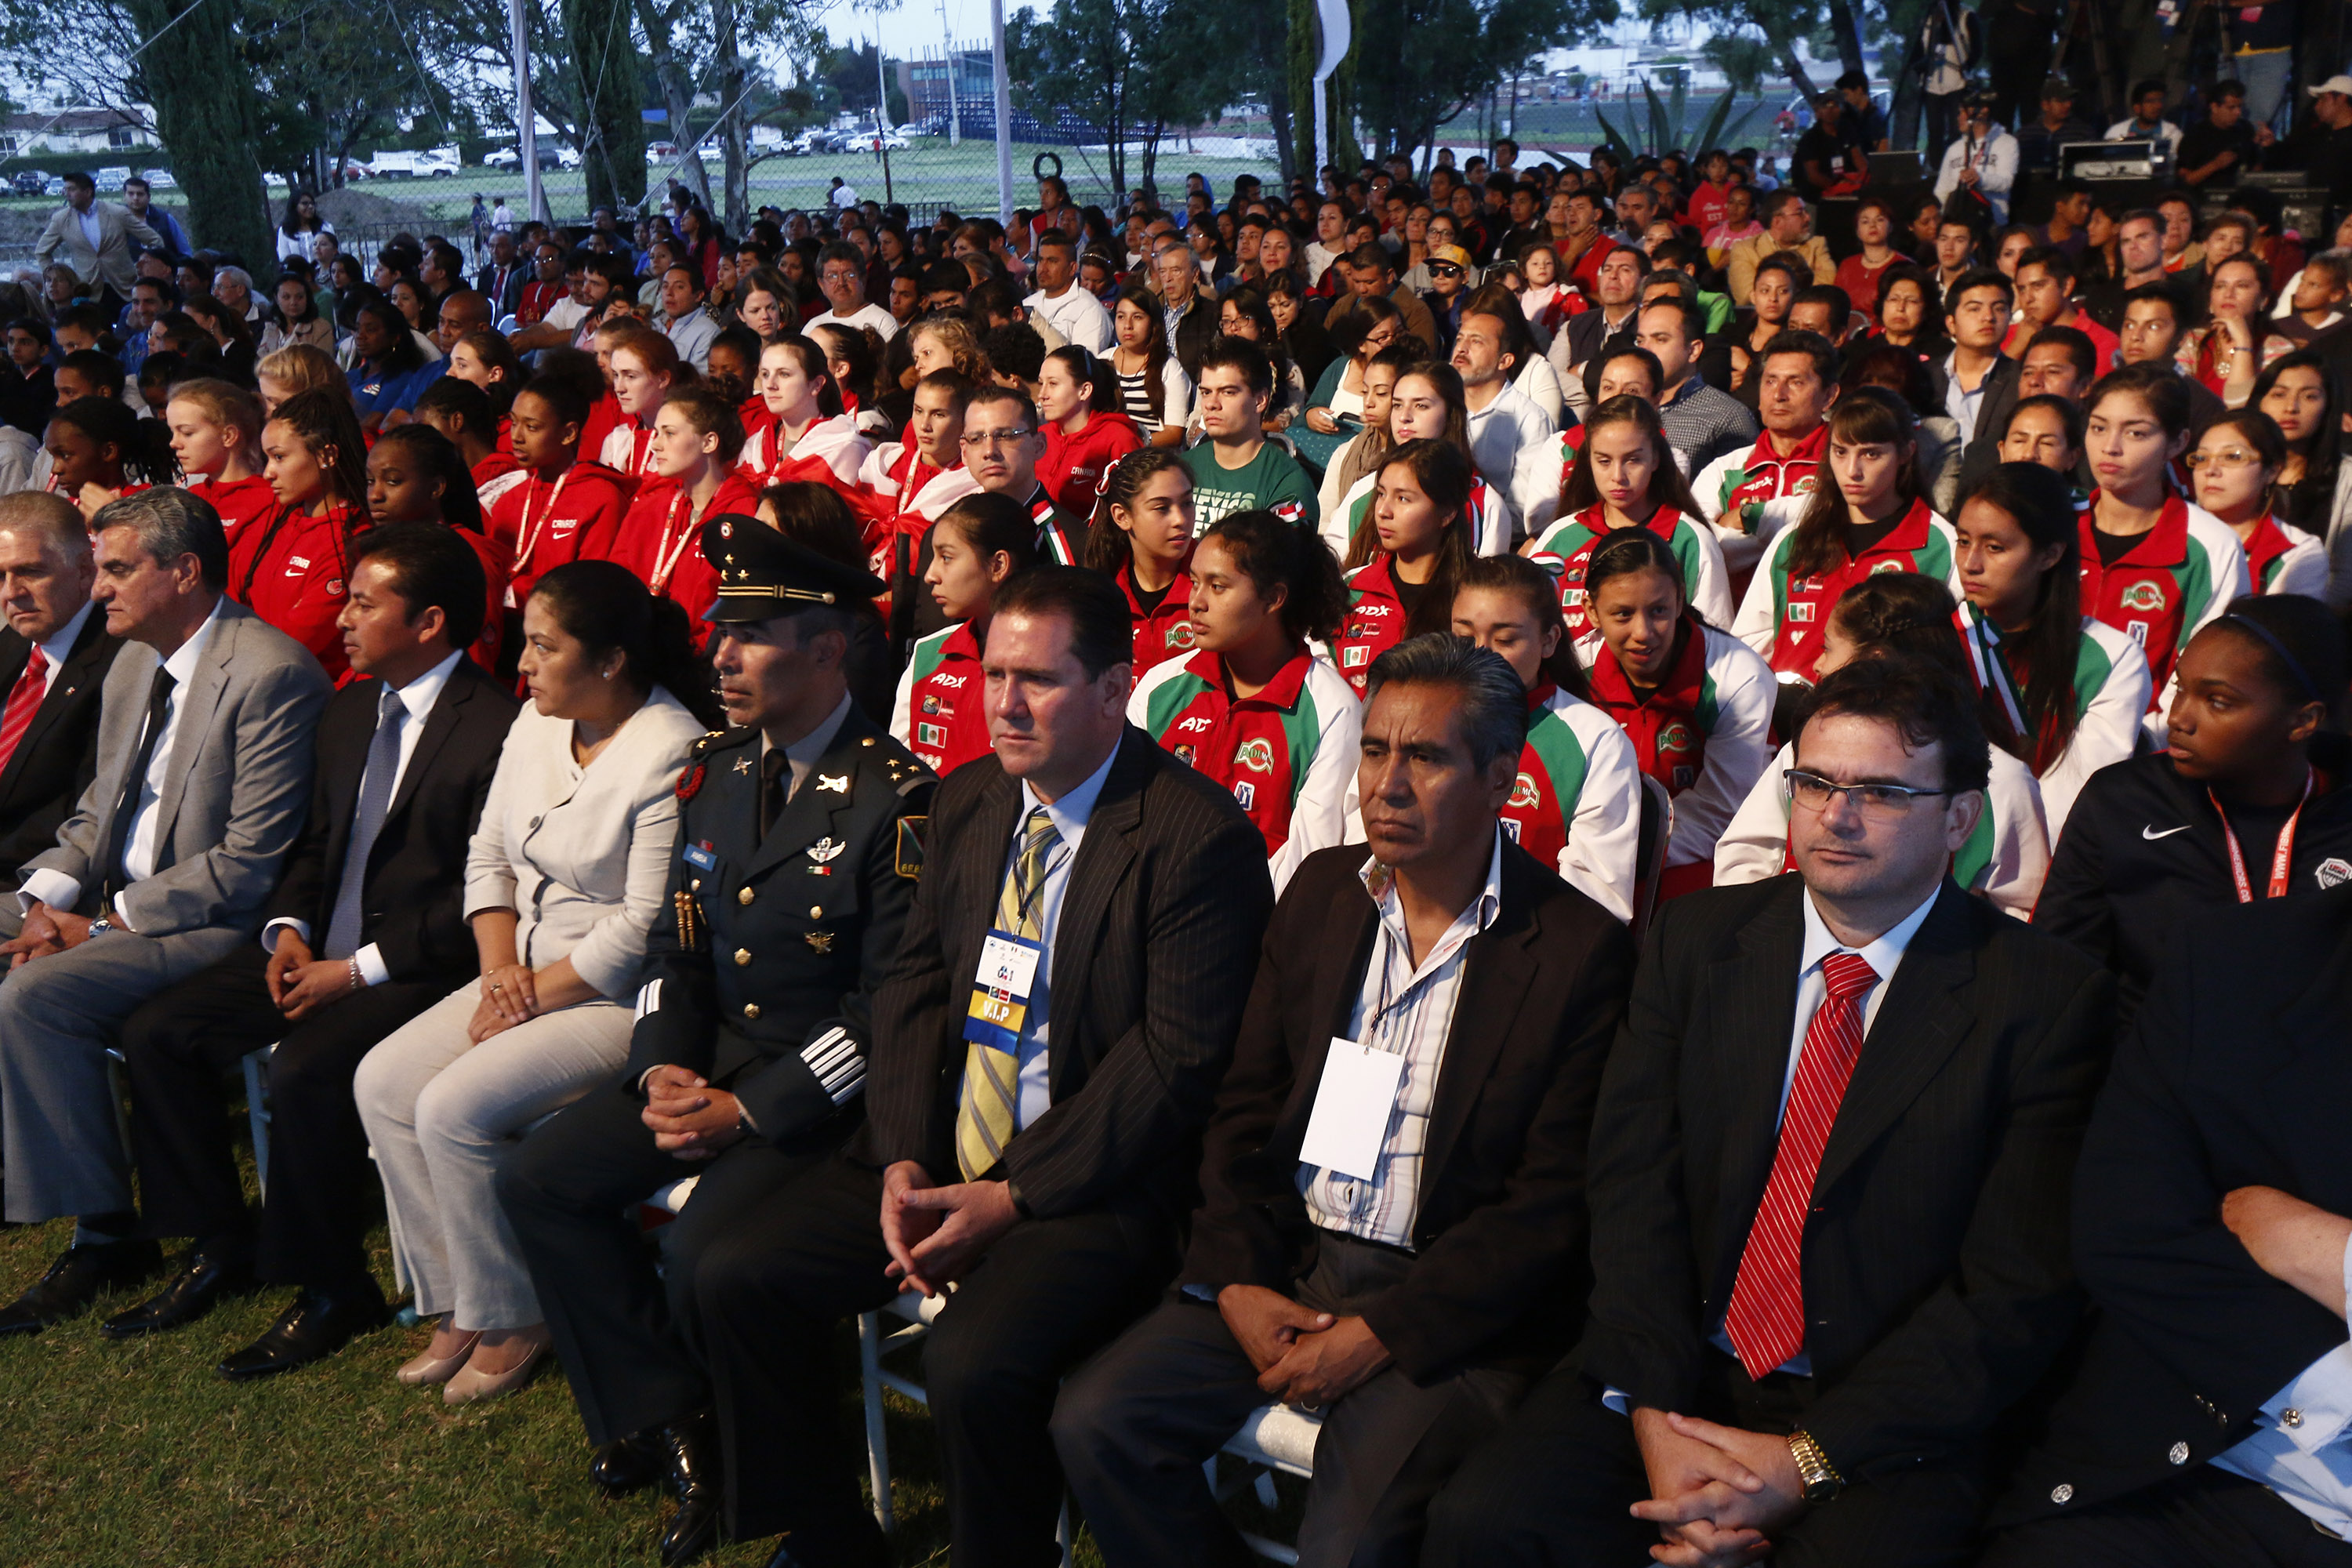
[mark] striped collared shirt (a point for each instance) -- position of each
(1408, 1011)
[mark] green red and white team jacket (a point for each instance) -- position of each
(1374, 623)
(1577, 805)
(1751, 496)
(1163, 633)
(1704, 733)
(2111, 688)
(2283, 559)
(2160, 592)
(1563, 551)
(941, 712)
(1783, 618)
(1288, 754)
(1490, 518)
(2005, 859)
(1540, 478)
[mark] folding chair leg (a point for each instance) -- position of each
(878, 1442)
(257, 1115)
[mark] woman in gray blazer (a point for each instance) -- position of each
(564, 878)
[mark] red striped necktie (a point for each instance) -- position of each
(23, 702)
(1767, 1319)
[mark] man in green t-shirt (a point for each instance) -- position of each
(1234, 468)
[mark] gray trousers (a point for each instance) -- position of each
(1134, 1424)
(58, 1136)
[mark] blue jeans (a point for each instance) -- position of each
(2266, 77)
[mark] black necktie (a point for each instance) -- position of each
(775, 783)
(159, 711)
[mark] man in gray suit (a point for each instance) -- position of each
(96, 237)
(204, 775)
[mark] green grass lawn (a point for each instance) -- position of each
(133, 1454)
(137, 1454)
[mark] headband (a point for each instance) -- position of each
(2294, 665)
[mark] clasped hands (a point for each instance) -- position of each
(45, 931)
(935, 1234)
(1303, 1357)
(1717, 1493)
(688, 1117)
(300, 983)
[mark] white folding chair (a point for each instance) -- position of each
(1275, 1438)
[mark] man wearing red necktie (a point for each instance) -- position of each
(1829, 1184)
(53, 662)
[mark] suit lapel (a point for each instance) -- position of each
(1919, 1026)
(79, 668)
(796, 827)
(1753, 998)
(440, 723)
(1498, 971)
(1100, 866)
(195, 723)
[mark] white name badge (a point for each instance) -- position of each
(1007, 965)
(1352, 1104)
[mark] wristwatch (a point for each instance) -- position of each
(100, 926)
(1821, 1481)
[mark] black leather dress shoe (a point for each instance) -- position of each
(631, 1464)
(202, 1280)
(76, 1279)
(691, 1446)
(318, 1324)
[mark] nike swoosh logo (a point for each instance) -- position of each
(2151, 835)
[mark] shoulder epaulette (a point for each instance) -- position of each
(721, 740)
(904, 770)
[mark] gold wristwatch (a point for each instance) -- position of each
(1821, 1481)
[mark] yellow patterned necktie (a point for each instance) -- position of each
(985, 1115)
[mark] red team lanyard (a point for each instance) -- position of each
(2280, 857)
(529, 533)
(666, 554)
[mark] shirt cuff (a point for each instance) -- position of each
(1617, 1399)
(301, 928)
(49, 886)
(372, 968)
(2313, 1411)
(120, 916)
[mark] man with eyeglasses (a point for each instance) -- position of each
(1002, 445)
(841, 278)
(1827, 1183)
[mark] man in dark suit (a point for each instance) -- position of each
(799, 845)
(501, 281)
(2206, 1424)
(1827, 1182)
(1416, 1291)
(53, 662)
(1046, 1050)
(365, 931)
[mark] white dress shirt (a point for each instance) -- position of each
(416, 700)
(1408, 1010)
(59, 645)
(1069, 815)
(2303, 1450)
(59, 892)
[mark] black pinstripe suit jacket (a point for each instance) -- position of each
(1150, 965)
(1937, 1280)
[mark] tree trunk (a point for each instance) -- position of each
(1785, 45)
(727, 74)
(1151, 155)
(207, 115)
(1848, 34)
(677, 94)
(1304, 47)
(612, 130)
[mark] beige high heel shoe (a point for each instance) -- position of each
(472, 1383)
(428, 1368)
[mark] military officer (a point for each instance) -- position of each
(800, 837)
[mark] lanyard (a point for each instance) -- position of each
(666, 557)
(529, 538)
(2280, 857)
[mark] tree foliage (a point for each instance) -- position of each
(1134, 68)
(1417, 63)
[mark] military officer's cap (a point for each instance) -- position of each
(762, 573)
